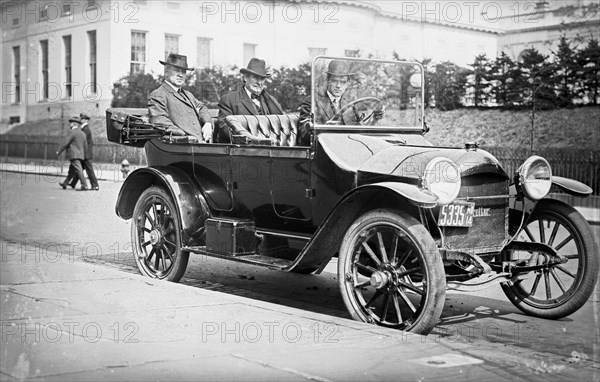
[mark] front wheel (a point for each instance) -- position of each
(390, 272)
(156, 236)
(556, 290)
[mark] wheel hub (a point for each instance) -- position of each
(379, 279)
(155, 237)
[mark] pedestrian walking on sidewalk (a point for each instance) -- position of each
(75, 147)
(87, 163)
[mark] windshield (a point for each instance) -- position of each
(350, 92)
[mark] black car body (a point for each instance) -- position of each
(408, 220)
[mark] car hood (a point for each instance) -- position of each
(400, 155)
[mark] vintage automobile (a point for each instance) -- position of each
(407, 220)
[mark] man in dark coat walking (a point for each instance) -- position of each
(89, 156)
(250, 99)
(75, 146)
(175, 109)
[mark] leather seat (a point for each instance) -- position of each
(276, 130)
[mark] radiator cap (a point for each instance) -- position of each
(471, 146)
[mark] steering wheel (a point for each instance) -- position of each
(360, 118)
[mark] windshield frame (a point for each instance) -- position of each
(370, 128)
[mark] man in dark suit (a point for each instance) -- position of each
(89, 156)
(75, 146)
(330, 98)
(175, 109)
(250, 99)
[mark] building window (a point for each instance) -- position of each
(314, 52)
(68, 78)
(17, 72)
(203, 52)
(14, 119)
(67, 9)
(44, 66)
(173, 6)
(44, 13)
(93, 79)
(15, 22)
(171, 44)
(249, 52)
(351, 52)
(138, 52)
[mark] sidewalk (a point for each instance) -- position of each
(104, 171)
(63, 319)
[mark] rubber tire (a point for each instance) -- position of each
(586, 278)
(420, 237)
(179, 266)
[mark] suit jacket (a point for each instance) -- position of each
(89, 153)
(169, 109)
(75, 145)
(239, 103)
(323, 113)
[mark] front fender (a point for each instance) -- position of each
(326, 241)
(189, 201)
(572, 186)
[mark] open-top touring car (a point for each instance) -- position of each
(407, 220)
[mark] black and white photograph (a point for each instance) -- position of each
(300, 190)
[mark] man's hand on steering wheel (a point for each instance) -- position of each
(359, 118)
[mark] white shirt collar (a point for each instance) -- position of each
(248, 92)
(333, 98)
(172, 86)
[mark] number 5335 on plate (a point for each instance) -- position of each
(456, 215)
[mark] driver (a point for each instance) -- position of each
(330, 99)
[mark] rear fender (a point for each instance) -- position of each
(189, 201)
(326, 241)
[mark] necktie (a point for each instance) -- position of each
(180, 91)
(334, 105)
(257, 103)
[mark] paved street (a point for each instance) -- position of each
(40, 222)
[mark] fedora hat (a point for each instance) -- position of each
(257, 67)
(176, 60)
(338, 68)
(75, 119)
(84, 116)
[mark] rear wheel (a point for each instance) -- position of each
(556, 290)
(156, 236)
(390, 272)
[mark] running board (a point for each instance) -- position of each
(256, 259)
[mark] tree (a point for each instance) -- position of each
(290, 85)
(133, 90)
(541, 81)
(480, 75)
(565, 61)
(210, 84)
(449, 84)
(588, 59)
(508, 81)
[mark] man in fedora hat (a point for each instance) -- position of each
(175, 109)
(330, 98)
(75, 146)
(87, 163)
(250, 99)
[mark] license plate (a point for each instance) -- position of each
(456, 215)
